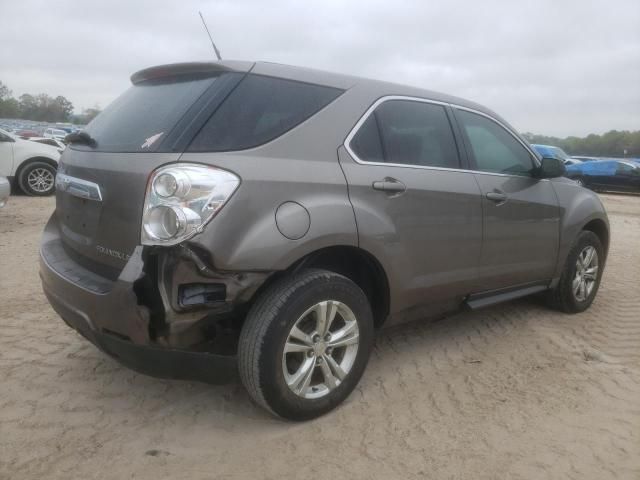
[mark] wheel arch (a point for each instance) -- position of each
(30, 160)
(600, 228)
(355, 263)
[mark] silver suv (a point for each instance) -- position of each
(267, 220)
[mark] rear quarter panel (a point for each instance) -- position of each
(300, 166)
(24, 150)
(244, 235)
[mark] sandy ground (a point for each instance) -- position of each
(514, 391)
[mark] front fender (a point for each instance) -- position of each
(578, 207)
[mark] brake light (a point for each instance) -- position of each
(181, 199)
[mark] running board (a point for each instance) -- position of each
(481, 300)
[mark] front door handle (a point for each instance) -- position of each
(390, 185)
(498, 197)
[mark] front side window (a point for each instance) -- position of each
(260, 109)
(627, 169)
(407, 132)
(492, 147)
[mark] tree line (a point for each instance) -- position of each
(614, 143)
(41, 108)
(45, 108)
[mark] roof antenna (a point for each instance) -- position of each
(215, 49)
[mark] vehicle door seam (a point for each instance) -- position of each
(353, 208)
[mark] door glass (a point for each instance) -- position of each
(366, 143)
(259, 110)
(626, 169)
(407, 132)
(494, 149)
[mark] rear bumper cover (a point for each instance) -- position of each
(107, 314)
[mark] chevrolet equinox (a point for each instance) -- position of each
(260, 220)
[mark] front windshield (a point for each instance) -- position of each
(559, 153)
(10, 135)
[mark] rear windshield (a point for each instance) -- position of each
(260, 109)
(142, 116)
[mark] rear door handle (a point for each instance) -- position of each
(390, 185)
(498, 197)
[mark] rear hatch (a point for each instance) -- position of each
(101, 234)
(101, 186)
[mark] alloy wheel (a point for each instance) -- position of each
(586, 273)
(41, 180)
(320, 349)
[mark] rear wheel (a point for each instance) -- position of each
(305, 344)
(581, 276)
(37, 178)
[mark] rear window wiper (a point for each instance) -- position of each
(81, 137)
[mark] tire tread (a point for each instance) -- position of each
(267, 307)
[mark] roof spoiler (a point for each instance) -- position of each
(190, 68)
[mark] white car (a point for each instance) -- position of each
(5, 191)
(50, 141)
(32, 164)
(54, 133)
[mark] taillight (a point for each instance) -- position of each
(181, 199)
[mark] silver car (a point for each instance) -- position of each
(265, 220)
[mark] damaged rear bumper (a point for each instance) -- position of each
(110, 315)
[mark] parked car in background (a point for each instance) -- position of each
(555, 152)
(607, 175)
(571, 161)
(24, 134)
(54, 133)
(5, 191)
(268, 219)
(30, 164)
(54, 142)
(586, 159)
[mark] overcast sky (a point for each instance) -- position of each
(557, 67)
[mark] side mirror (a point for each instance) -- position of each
(551, 168)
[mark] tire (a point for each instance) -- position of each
(266, 371)
(564, 297)
(37, 178)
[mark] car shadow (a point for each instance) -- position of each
(465, 337)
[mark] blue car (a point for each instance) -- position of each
(555, 152)
(609, 175)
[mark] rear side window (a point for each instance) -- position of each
(494, 149)
(144, 115)
(259, 110)
(407, 132)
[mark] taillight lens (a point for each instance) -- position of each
(181, 199)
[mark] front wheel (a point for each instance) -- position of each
(37, 179)
(580, 279)
(305, 344)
